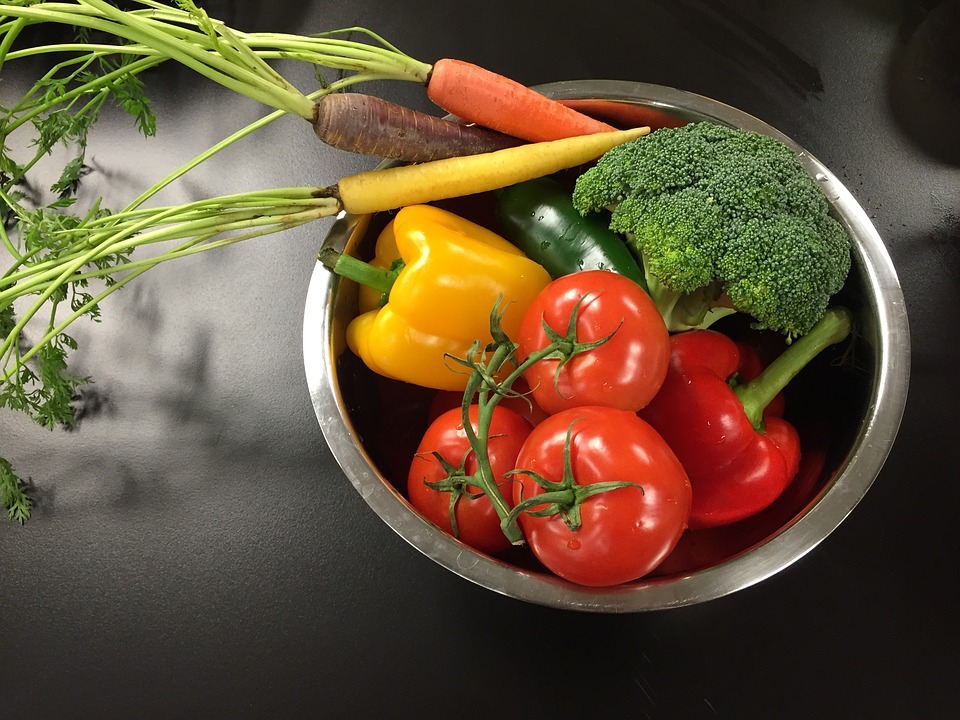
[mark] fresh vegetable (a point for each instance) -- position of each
(492, 374)
(703, 548)
(453, 272)
(440, 480)
(539, 218)
(486, 98)
(629, 364)
(599, 538)
(403, 185)
(738, 461)
(371, 126)
(66, 264)
(725, 220)
(237, 60)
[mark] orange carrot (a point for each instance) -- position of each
(623, 115)
(372, 126)
(494, 101)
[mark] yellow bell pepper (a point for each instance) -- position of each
(454, 271)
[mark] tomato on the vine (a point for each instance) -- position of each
(624, 372)
(478, 523)
(623, 533)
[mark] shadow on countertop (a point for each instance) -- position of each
(924, 78)
(923, 74)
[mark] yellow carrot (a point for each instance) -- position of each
(395, 187)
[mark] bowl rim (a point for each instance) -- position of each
(855, 475)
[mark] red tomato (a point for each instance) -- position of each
(624, 533)
(625, 372)
(477, 520)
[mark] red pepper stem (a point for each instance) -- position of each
(359, 271)
(832, 328)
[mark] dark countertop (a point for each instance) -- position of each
(196, 551)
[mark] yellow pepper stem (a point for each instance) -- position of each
(359, 271)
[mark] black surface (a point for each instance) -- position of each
(196, 551)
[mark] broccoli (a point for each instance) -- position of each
(725, 220)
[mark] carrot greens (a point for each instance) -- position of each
(238, 60)
(228, 57)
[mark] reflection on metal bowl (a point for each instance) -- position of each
(372, 424)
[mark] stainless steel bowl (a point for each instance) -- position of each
(872, 414)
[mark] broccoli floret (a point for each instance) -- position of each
(725, 220)
(676, 232)
(785, 269)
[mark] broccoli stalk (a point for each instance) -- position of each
(725, 221)
(698, 309)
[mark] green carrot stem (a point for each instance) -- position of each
(101, 81)
(229, 57)
(174, 223)
(135, 268)
(53, 332)
(170, 40)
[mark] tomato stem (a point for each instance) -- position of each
(564, 497)
(479, 439)
(454, 483)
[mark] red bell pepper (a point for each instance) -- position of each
(702, 548)
(738, 461)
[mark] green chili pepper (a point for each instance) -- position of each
(539, 218)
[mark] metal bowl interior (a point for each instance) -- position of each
(869, 403)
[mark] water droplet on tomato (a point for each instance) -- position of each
(573, 544)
